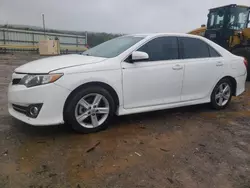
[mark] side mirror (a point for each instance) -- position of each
(139, 56)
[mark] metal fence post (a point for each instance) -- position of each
(86, 38)
(33, 40)
(77, 44)
(4, 42)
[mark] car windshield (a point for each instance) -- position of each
(114, 47)
(216, 19)
(238, 18)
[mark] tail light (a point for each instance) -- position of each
(245, 62)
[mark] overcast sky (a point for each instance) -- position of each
(115, 16)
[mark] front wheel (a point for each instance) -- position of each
(89, 110)
(222, 94)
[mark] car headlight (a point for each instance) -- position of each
(31, 80)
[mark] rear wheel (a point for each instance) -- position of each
(222, 94)
(90, 109)
(244, 52)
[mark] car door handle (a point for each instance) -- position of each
(218, 64)
(177, 67)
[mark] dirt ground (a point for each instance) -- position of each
(191, 147)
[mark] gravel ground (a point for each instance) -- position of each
(185, 147)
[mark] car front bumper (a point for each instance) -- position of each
(51, 97)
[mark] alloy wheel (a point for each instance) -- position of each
(222, 94)
(92, 110)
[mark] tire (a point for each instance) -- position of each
(244, 52)
(217, 92)
(76, 106)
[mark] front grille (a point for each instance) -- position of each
(21, 109)
(16, 81)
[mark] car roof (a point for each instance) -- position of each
(152, 35)
(163, 34)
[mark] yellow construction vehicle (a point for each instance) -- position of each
(229, 26)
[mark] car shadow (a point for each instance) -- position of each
(118, 121)
(159, 113)
(41, 130)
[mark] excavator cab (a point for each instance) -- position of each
(224, 22)
(229, 26)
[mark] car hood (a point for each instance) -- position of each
(49, 64)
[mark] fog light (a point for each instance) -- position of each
(33, 110)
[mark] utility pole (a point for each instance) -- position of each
(43, 25)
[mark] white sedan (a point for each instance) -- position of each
(126, 75)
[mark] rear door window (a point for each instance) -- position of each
(193, 48)
(213, 52)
